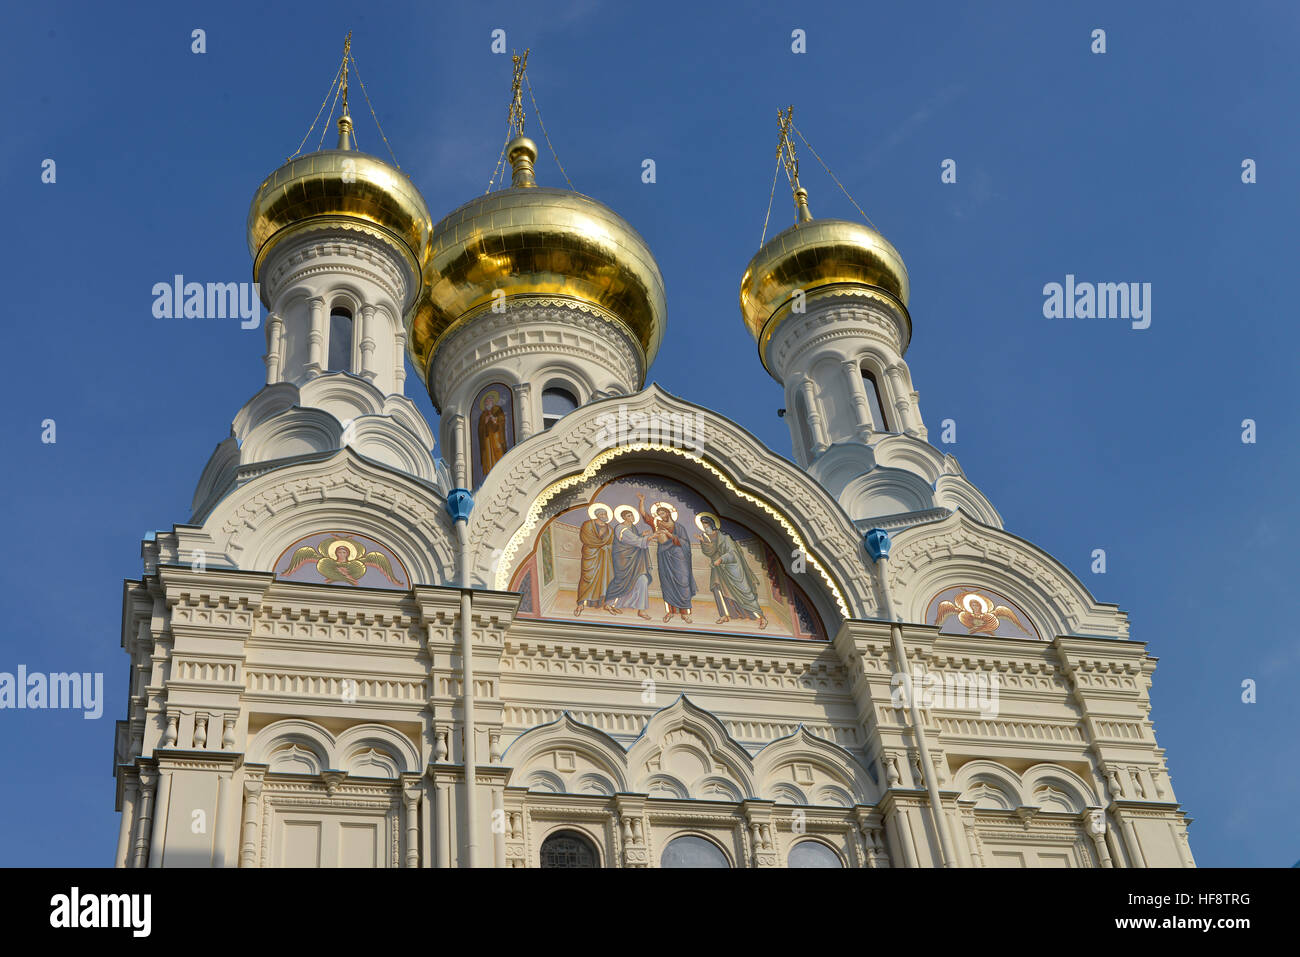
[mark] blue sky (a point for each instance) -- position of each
(1084, 433)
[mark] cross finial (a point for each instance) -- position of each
(517, 95)
(345, 118)
(785, 123)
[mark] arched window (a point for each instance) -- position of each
(813, 854)
(568, 849)
(557, 402)
(691, 851)
(340, 340)
(878, 421)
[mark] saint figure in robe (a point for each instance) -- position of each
(676, 578)
(730, 580)
(491, 431)
(596, 535)
(630, 550)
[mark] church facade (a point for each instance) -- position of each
(604, 626)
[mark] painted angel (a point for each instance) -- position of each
(341, 560)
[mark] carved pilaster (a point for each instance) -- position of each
(1094, 820)
(248, 855)
(412, 789)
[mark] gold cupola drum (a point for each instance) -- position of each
(533, 243)
(814, 256)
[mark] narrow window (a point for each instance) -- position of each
(340, 341)
(556, 404)
(878, 421)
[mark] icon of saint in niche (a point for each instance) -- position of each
(676, 579)
(630, 586)
(491, 431)
(730, 580)
(596, 536)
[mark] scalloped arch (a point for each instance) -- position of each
(252, 524)
(958, 550)
(578, 447)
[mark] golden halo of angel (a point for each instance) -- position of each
(494, 395)
(341, 559)
(654, 509)
(979, 614)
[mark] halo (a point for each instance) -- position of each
(654, 509)
(717, 523)
(618, 512)
(494, 394)
(591, 509)
(970, 598)
(331, 548)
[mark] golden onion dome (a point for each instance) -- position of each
(341, 187)
(815, 254)
(527, 240)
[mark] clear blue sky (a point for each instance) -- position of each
(1084, 433)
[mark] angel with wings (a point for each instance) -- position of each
(341, 560)
(979, 614)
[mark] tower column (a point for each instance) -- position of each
(399, 361)
(858, 393)
(316, 338)
(274, 348)
(367, 369)
(461, 451)
(816, 424)
(524, 411)
(909, 418)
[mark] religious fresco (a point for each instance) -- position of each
(492, 428)
(977, 611)
(647, 550)
(341, 558)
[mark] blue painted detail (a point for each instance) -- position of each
(877, 544)
(459, 504)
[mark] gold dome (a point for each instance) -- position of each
(338, 187)
(810, 255)
(533, 241)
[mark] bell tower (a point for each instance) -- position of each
(337, 238)
(536, 301)
(826, 301)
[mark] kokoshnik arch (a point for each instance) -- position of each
(541, 647)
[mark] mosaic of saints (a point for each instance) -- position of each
(491, 431)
